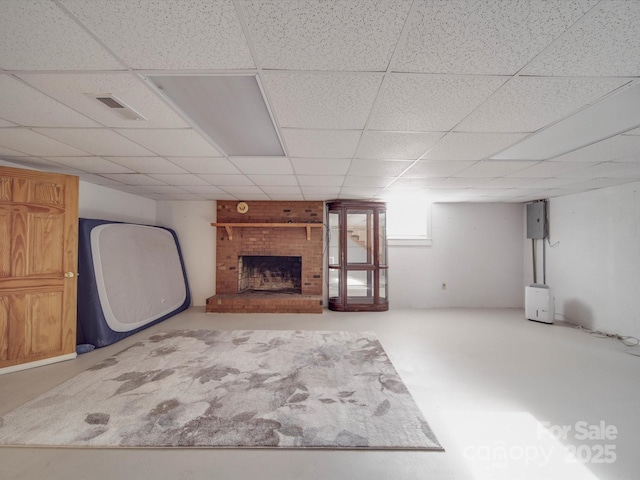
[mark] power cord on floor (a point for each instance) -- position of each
(626, 340)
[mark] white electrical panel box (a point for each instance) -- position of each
(536, 220)
(539, 304)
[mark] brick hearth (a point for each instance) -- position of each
(268, 241)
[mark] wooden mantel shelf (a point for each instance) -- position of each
(230, 226)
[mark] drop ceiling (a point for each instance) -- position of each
(370, 98)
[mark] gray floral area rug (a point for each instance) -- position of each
(291, 389)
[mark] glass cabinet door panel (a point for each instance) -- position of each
(383, 286)
(334, 283)
(359, 286)
(334, 238)
(382, 238)
(359, 237)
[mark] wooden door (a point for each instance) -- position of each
(38, 265)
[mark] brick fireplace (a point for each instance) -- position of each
(274, 266)
(272, 273)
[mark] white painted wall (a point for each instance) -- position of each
(476, 250)
(192, 223)
(594, 269)
(105, 203)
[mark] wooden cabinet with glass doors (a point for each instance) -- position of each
(357, 256)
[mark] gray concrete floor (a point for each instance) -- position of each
(508, 399)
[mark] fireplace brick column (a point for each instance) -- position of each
(268, 241)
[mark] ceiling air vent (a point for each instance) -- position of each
(117, 106)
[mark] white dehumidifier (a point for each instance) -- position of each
(539, 304)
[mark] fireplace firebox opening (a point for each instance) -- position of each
(269, 274)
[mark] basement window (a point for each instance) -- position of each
(408, 221)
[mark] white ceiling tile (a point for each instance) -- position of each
(426, 66)
(133, 179)
(148, 164)
(337, 35)
(91, 164)
(187, 197)
(551, 183)
(494, 168)
(526, 104)
(395, 145)
(534, 193)
(550, 169)
(98, 141)
(603, 44)
(446, 195)
(321, 180)
(263, 165)
(317, 192)
(360, 181)
(98, 180)
(243, 190)
(152, 196)
(172, 143)
(32, 143)
(25, 106)
(405, 183)
(555, 192)
(321, 166)
(179, 179)
(202, 190)
(283, 180)
(607, 170)
(485, 195)
(224, 180)
(481, 37)
(10, 153)
(218, 196)
(481, 193)
(471, 146)
(322, 100)
(430, 103)
(507, 182)
(132, 189)
(37, 35)
(437, 168)
(358, 192)
(399, 190)
(74, 90)
(517, 198)
(280, 190)
(629, 159)
(213, 165)
(321, 143)
(461, 182)
(286, 197)
(65, 170)
(162, 189)
(172, 34)
(601, 182)
(509, 192)
(254, 197)
(378, 168)
(612, 148)
(320, 198)
(38, 163)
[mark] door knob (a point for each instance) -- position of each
(69, 274)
